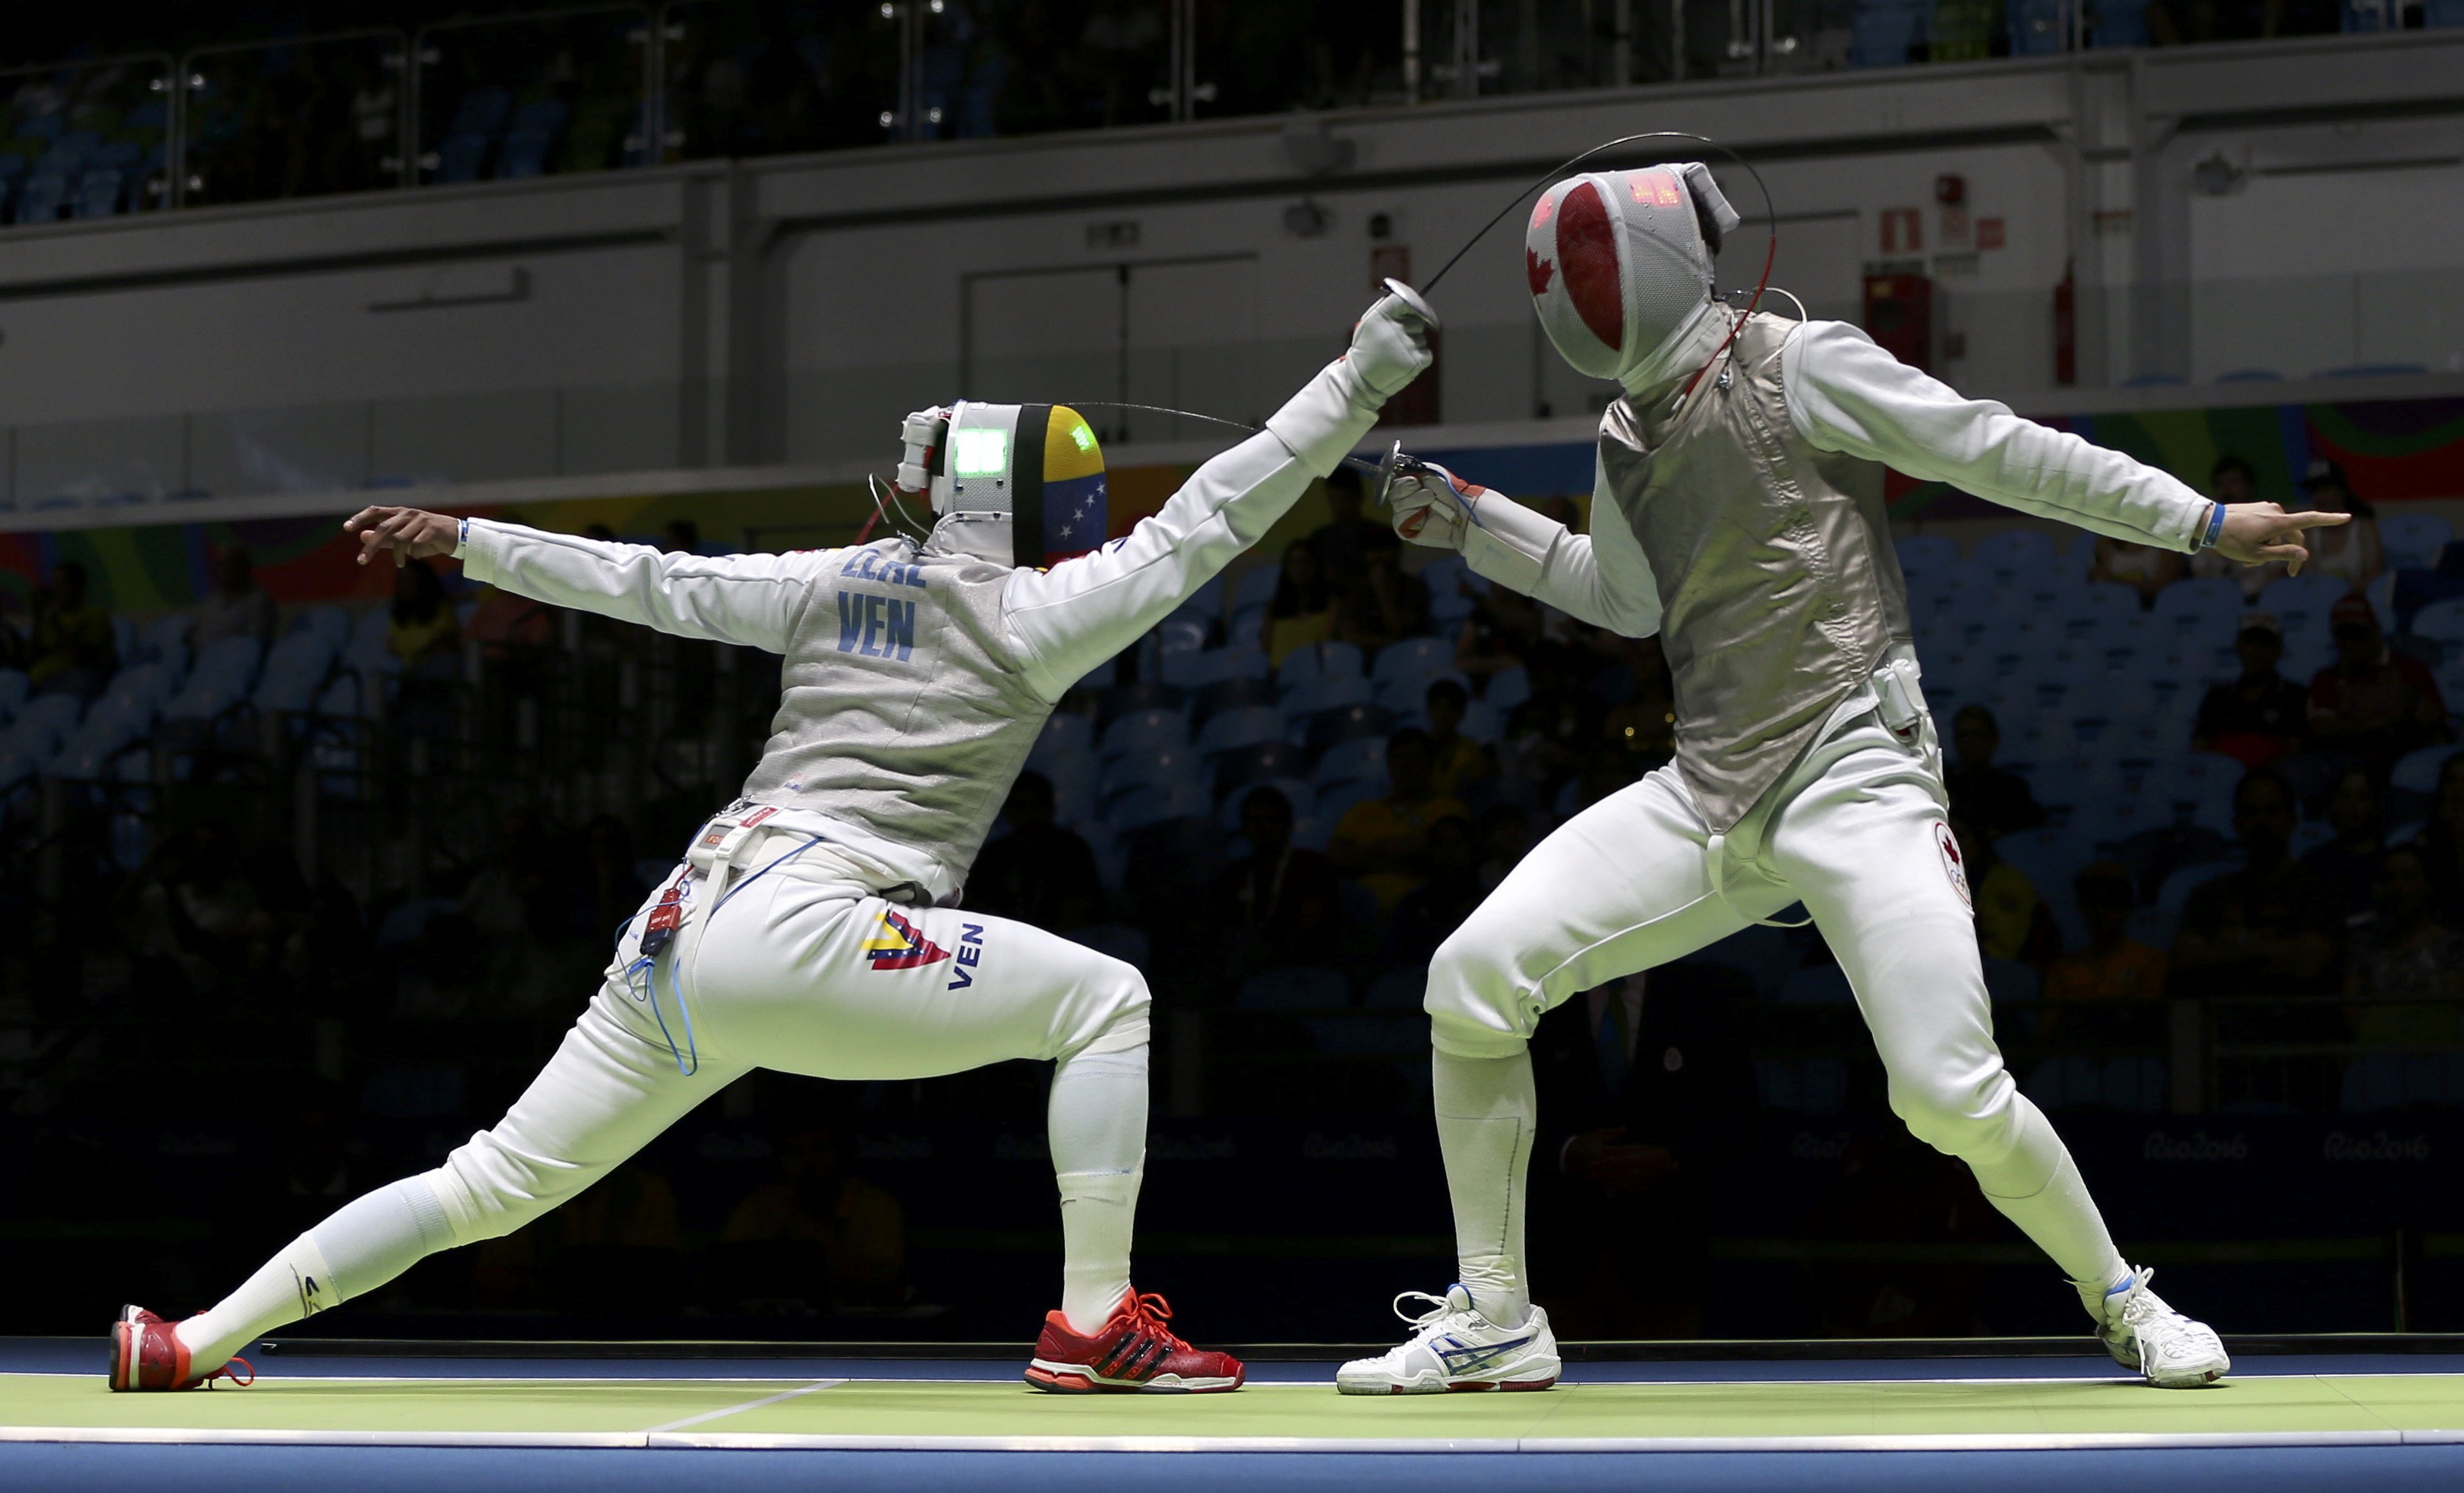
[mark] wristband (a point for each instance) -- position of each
(462, 539)
(2215, 528)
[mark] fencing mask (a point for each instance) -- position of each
(1014, 484)
(1619, 264)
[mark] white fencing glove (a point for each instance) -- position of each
(1431, 506)
(1389, 344)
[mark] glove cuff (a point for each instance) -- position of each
(1322, 423)
(1511, 544)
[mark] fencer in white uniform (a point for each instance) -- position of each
(811, 929)
(1738, 514)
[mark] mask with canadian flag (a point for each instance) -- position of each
(1620, 265)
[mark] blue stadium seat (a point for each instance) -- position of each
(1154, 804)
(2118, 23)
(1446, 579)
(294, 672)
(135, 694)
(482, 111)
(2413, 540)
(1244, 766)
(98, 193)
(1409, 695)
(1300, 988)
(1256, 585)
(41, 198)
(1247, 629)
(1333, 728)
(224, 673)
(1333, 801)
(1245, 726)
(2014, 553)
(1412, 657)
(1885, 35)
(42, 721)
(1361, 760)
(1208, 599)
(2418, 771)
(1316, 696)
(1158, 766)
(1230, 694)
(368, 650)
(524, 154)
(166, 640)
(2441, 621)
(460, 157)
(1507, 687)
(1064, 733)
(1923, 555)
(1317, 661)
(1184, 631)
(2039, 28)
(1195, 670)
(1144, 729)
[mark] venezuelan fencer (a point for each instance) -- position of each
(811, 929)
(1737, 513)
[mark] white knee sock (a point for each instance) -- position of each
(364, 1245)
(2038, 1186)
(1486, 1116)
(1096, 1123)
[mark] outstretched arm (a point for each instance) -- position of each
(1083, 611)
(1601, 578)
(752, 601)
(1847, 394)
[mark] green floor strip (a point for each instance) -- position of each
(2253, 1410)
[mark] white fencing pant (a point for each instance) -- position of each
(1858, 831)
(801, 970)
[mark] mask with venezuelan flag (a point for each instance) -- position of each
(1036, 467)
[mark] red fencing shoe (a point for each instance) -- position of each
(147, 1354)
(1134, 1351)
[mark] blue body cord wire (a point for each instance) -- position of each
(650, 995)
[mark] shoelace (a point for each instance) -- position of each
(1154, 1311)
(2146, 1316)
(246, 1376)
(1440, 1307)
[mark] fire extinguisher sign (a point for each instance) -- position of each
(1903, 231)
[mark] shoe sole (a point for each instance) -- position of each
(1451, 1387)
(123, 1356)
(1072, 1379)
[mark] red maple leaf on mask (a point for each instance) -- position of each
(1539, 272)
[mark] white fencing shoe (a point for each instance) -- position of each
(2144, 1333)
(1453, 1347)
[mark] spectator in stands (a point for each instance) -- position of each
(1377, 603)
(2262, 715)
(2405, 975)
(1645, 1092)
(2263, 929)
(1460, 761)
(680, 536)
(2346, 867)
(2142, 567)
(2442, 840)
(1550, 734)
(1279, 903)
(1302, 612)
(2352, 552)
(74, 652)
(2233, 481)
(1380, 842)
(1435, 909)
(1995, 800)
(2114, 966)
(1502, 632)
(2373, 702)
(1343, 543)
(858, 1231)
(424, 627)
(1038, 872)
(2011, 920)
(238, 607)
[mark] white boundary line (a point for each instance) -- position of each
(1541, 1445)
(749, 1404)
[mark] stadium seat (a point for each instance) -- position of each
(166, 641)
(1244, 766)
(2413, 540)
(1247, 629)
(41, 198)
(1154, 803)
(2441, 621)
(1317, 696)
(1231, 694)
(1155, 766)
(2418, 772)
(1300, 988)
(524, 154)
(135, 694)
(1924, 553)
(367, 649)
(15, 686)
(1256, 585)
(224, 673)
(98, 193)
(1333, 801)
(1409, 695)
(1446, 579)
(1361, 760)
(1184, 631)
(2394, 1081)
(1064, 732)
(2014, 554)
(2039, 28)
(2206, 606)
(2156, 926)
(45, 719)
(1190, 669)
(1333, 728)
(1208, 599)
(1247, 725)
(1885, 35)
(1144, 729)
(459, 158)
(1317, 662)
(1298, 794)
(1411, 658)
(1507, 687)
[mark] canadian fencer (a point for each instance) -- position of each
(813, 926)
(1737, 513)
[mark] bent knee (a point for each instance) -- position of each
(1969, 1116)
(1476, 1000)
